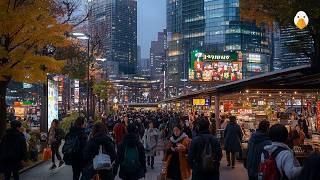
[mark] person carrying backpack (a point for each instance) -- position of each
(99, 141)
(73, 147)
(131, 156)
(256, 145)
(205, 154)
(13, 150)
(278, 161)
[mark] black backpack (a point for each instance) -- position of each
(208, 162)
(71, 148)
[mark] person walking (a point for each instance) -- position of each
(288, 166)
(232, 140)
(205, 154)
(298, 136)
(176, 155)
(120, 131)
(13, 151)
(256, 145)
(310, 170)
(73, 147)
(56, 135)
(99, 138)
(150, 141)
(131, 156)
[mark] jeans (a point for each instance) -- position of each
(55, 152)
(7, 175)
(233, 157)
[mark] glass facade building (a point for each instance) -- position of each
(212, 26)
(114, 25)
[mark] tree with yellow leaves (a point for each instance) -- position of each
(283, 12)
(30, 30)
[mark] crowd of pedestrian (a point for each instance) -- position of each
(126, 145)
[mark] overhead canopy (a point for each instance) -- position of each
(300, 77)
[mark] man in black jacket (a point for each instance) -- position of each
(255, 147)
(196, 150)
(76, 133)
(13, 150)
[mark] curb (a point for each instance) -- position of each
(30, 167)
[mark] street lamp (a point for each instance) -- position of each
(83, 36)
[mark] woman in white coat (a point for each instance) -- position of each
(150, 142)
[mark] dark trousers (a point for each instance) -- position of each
(253, 178)
(150, 160)
(233, 157)
(7, 175)
(76, 171)
(55, 152)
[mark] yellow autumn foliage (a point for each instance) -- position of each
(27, 27)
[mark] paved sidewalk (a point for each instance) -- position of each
(42, 172)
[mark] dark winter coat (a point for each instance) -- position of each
(232, 137)
(196, 149)
(92, 149)
(131, 140)
(256, 145)
(13, 150)
(77, 159)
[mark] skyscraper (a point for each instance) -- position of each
(296, 47)
(114, 25)
(212, 27)
(158, 55)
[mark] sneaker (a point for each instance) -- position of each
(228, 164)
(152, 167)
(61, 163)
(53, 167)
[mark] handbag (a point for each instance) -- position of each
(102, 161)
(46, 154)
(163, 172)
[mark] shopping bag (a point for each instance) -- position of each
(47, 154)
(102, 161)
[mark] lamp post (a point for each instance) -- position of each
(83, 36)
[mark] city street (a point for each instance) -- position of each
(42, 172)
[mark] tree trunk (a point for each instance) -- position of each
(3, 107)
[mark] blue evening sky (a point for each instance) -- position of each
(151, 20)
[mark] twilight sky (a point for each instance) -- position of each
(151, 20)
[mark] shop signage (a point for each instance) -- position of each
(23, 103)
(215, 66)
(244, 111)
(201, 102)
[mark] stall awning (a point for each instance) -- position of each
(300, 77)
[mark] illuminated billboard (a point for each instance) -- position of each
(215, 66)
(53, 100)
(201, 102)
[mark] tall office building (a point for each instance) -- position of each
(213, 32)
(296, 47)
(114, 24)
(158, 55)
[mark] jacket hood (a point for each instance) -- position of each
(259, 137)
(76, 130)
(13, 134)
(102, 139)
(274, 145)
(131, 139)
